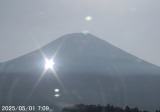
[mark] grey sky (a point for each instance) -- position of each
(132, 25)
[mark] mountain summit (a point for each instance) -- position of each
(86, 70)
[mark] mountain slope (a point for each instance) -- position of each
(87, 70)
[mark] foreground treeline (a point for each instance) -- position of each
(98, 108)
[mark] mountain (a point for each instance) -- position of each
(87, 70)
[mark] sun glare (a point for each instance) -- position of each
(49, 64)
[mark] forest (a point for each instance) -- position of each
(99, 108)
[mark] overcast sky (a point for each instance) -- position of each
(132, 25)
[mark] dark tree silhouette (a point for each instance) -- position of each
(98, 108)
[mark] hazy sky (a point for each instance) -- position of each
(132, 25)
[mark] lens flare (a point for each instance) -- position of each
(88, 18)
(57, 95)
(56, 90)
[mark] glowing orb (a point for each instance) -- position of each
(49, 64)
(56, 90)
(88, 18)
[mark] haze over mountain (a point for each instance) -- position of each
(87, 70)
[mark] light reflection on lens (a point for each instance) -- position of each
(88, 18)
(57, 95)
(56, 90)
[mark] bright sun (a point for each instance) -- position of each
(49, 64)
